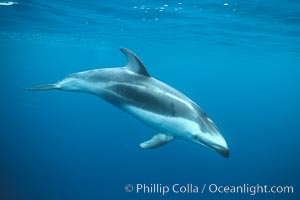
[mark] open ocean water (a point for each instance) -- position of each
(239, 60)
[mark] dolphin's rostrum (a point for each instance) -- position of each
(160, 106)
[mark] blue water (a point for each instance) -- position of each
(239, 60)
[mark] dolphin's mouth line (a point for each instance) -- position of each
(224, 151)
(220, 149)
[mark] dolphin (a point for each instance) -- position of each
(165, 109)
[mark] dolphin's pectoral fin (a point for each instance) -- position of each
(157, 140)
(134, 64)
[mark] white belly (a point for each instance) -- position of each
(175, 126)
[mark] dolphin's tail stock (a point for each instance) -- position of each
(43, 87)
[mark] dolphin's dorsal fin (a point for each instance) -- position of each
(134, 64)
(157, 140)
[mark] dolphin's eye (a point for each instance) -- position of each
(195, 136)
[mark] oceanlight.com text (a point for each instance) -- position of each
(250, 189)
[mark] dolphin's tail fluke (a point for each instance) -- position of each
(43, 87)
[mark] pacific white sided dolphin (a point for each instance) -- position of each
(160, 106)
